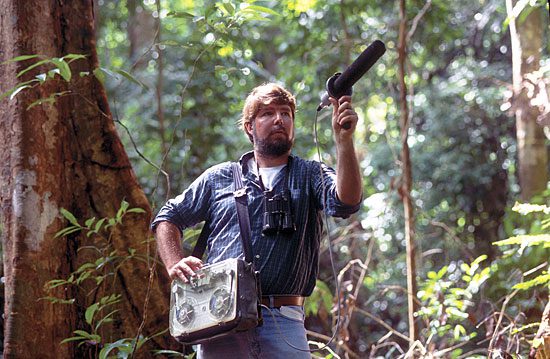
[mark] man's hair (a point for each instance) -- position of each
(266, 94)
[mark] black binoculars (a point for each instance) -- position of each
(278, 214)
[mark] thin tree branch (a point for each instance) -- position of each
(417, 19)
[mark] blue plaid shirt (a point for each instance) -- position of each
(288, 264)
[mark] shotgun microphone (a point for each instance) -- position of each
(340, 84)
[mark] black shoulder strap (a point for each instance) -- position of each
(200, 246)
(241, 201)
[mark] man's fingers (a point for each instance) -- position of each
(193, 262)
(185, 269)
(347, 118)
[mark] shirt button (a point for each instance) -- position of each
(257, 256)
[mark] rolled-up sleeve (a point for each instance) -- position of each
(189, 208)
(325, 188)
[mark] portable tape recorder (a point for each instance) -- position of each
(222, 298)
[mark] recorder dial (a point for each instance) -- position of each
(220, 303)
(185, 314)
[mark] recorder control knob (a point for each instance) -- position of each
(185, 314)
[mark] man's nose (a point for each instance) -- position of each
(278, 117)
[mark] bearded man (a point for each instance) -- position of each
(286, 253)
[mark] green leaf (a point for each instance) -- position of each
(105, 319)
(129, 76)
(42, 101)
(83, 276)
(526, 208)
(526, 240)
(136, 210)
(54, 283)
(83, 336)
(124, 205)
(99, 224)
(53, 72)
(123, 345)
(89, 222)
(49, 100)
(21, 58)
(66, 231)
(458, 331)
(85, 266)
(262, 9)
(111, 222)
(73, 57)
(180, 14)
(17, 89)
(525, 327)
(90, 312)
(82, 333)
(36, 64)
(69, 216)
(64, 69)
(56, 300)
(71, 339)
(543, 279)
(99, 73)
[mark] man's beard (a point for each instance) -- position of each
(272, 147)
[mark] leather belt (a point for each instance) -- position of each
(276, 301)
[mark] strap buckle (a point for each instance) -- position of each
(240, 192)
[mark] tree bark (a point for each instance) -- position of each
(526, 39)
(66, 155)
(406, 178)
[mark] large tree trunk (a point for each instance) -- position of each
(66, 155)
(526, 39)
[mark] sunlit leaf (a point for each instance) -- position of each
(129, 76)
(21, 58)
(69, 216)
(262, 9)
(36, 64)
(180, 14)
(136, 210)
(90, 312)
(17, 90)
(64, 69)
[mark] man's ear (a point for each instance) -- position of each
(248, 127)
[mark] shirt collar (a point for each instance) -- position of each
(248, 155)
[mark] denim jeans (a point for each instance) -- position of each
(282, 329)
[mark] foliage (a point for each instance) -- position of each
(321, 298)
(59, 69)
(448, 297)
(94, 277)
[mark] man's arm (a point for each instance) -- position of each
(348, 175)
(171, 253)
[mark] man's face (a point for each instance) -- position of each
(273, 130)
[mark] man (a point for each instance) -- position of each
(287, 258)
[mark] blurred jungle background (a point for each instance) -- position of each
(448, 256)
